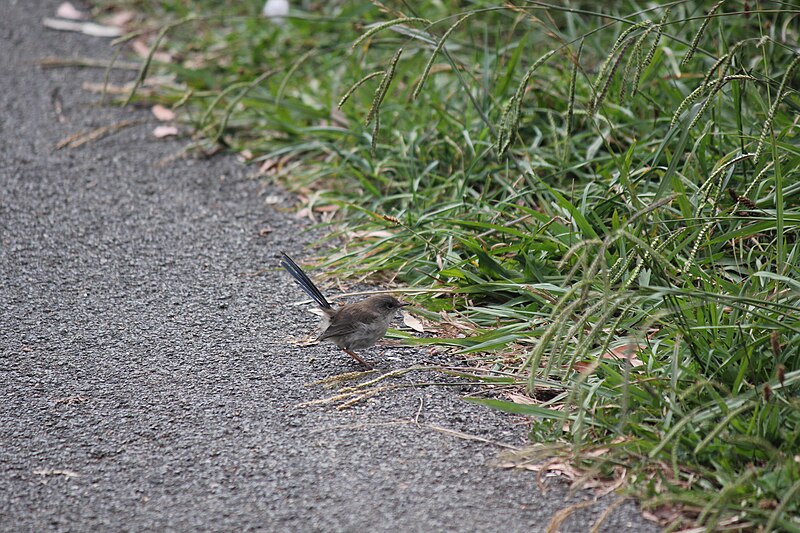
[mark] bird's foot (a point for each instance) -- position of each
(358, 358)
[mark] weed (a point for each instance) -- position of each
(593, 246)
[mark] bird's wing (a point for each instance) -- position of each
(347, 320)
(339, 328)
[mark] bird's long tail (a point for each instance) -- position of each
(304, 281)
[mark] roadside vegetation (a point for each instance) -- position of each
(600, 210)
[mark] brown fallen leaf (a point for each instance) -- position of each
(162, 113)
(627, 350)
(164, 131)
(120, 19)
(268, 166)
(412, 322)
(306, 213)
(522, 399)
(67, 11)
(142, 49)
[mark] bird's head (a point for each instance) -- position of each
(385, 304)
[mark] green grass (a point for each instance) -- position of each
(609, 200)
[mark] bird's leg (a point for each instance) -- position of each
(357, 358)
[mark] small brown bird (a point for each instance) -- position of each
(353, 326)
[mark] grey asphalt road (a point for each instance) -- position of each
(148, 381)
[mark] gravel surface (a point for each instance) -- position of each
(149, 381)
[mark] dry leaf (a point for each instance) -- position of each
(412, 322)
(88, 28)
(268, 166)
(164, 131)
(246, 155)
(306, 213)
(162, 113)
(274, 166)
(163, 57)
(157, 81)
(522, 399)
(195, 62)
(628, 350)
(67, 11)
(582, 366)
(142, 49)
(120, 19)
